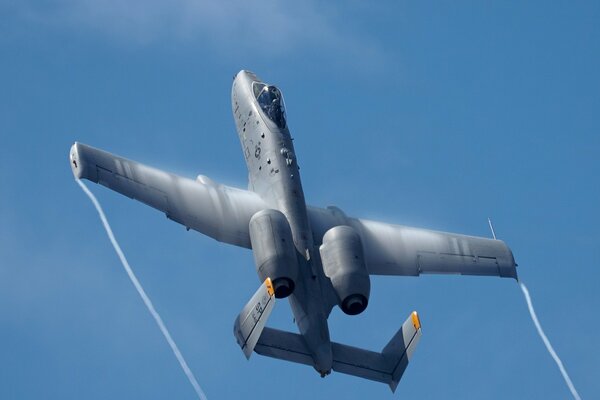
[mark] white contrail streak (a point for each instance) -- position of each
(563, 371)
(143, 295)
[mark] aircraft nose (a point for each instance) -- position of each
(243, 74)
(246, 76)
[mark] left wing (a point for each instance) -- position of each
(402, 250)
(216, 210)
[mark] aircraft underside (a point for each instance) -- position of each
(318, 258)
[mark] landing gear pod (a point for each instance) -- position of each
(274, 251)
(344, 263)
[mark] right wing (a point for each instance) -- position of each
(215, 210)
(402, 250)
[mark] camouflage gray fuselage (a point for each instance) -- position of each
(273, 173)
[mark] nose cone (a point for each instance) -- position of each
(246, 76)
(241, 90)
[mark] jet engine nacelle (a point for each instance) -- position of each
(344, 264)
(274, 251)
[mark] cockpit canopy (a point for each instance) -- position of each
(271, 102)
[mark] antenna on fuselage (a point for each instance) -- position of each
(492, 228)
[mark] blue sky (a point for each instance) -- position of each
(431, 114)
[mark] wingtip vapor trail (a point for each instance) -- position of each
(549, 347)
(186, 369)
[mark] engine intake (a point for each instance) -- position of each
(274, 251)
(344, 264)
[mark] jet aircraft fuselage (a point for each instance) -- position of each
(273, 173)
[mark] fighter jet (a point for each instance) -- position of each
(317, 258)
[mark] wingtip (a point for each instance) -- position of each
(75, 161)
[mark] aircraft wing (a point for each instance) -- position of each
(215, 210)
(402, 250)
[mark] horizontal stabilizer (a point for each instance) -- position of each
(250, 323)
(386, 367)
(283, 345)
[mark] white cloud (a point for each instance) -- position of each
(277, 25)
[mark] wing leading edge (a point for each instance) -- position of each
(218, 211)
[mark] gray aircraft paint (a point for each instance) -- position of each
(224, 213)
(273, 174)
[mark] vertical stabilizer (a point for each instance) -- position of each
(251, 321)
